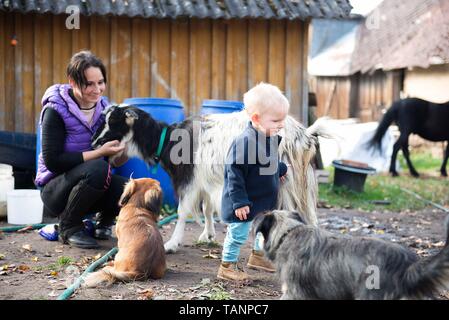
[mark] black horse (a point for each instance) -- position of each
(426, 119)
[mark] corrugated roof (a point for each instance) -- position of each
(215, 9)
(336, 59)
(409, 33)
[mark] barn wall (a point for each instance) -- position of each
(363, 96)
(186, 59)
(377, 92)
(333, 96)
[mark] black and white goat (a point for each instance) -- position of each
(194, 152)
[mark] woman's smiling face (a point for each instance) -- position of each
(94, 89)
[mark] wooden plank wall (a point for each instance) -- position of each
(362, 95)
(333, 96)
(187, 59)
(376, 92)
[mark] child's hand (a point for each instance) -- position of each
(284, 177)
(242, 212)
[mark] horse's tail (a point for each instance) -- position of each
(388, 118)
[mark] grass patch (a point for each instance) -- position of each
(63, 261)
(218, 293)
(385, 187)
(60, 263)
(207, 244)
(423, 162)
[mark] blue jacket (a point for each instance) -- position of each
(251, 176)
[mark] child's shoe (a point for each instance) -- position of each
(230, 271)
(258, 261)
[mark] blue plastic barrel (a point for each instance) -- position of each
(221, 106)
(169, 111)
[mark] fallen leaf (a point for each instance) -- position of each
(438, 244)
(425, 222)
(210, 255)
(2, 256)
(35, 259)
(23, 267)
(27, 247)
(98, 256)
(53, 294)
(4, 267)
(146, 294)
(54, 273)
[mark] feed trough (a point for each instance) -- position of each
(351, 174)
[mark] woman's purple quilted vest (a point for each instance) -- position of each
(78, 131)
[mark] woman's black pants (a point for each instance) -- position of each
(87, 188)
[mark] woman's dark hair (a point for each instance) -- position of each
(79, 63)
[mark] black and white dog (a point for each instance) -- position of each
(194, 152)
(316, 264)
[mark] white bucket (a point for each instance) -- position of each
(6, 185)
(24, 206)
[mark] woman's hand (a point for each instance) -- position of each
(242, 213)
(110, 148)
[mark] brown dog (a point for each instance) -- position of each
(141, 252)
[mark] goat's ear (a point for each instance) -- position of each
(127, 193)
(109, 109)
(263, 224)
(296, 216)
(153, 199)
(131, 114)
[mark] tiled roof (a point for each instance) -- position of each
(409, 33)
(214, 9)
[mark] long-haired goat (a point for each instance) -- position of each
(194, 153)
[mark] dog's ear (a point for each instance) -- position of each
(153, 200)
(127, 193)
(263, 224)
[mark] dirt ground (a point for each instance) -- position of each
(34, 268)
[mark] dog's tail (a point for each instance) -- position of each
(107, 274)
(430, 276)
(390, 116)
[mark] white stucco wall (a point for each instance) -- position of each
(430, 84)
